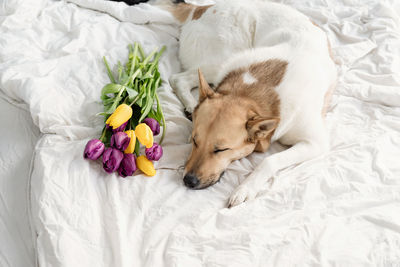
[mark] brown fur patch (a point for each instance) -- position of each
(181, 11)
(268, 75)
(199, 11)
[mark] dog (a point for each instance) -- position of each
(272, 72)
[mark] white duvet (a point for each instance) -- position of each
(341, 209)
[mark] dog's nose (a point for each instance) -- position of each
(191, 180)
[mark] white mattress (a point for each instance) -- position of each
(341, 209)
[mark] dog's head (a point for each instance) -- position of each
(225, 128)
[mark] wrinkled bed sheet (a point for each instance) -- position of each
(341, 209)
(18, 138)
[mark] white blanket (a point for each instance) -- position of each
(18, 139)
(339, 209)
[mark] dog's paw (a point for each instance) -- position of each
(241, 194)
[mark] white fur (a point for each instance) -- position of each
(236, 33)
(248, 78)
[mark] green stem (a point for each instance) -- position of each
(156, 59)
(163, 120)
(141, 52)
(103, 134)
(132, 78)
(134, 100)
(147, 59)
(109, 70)
(133, 62)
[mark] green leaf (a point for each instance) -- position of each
(156, 85)
(164, 125)
(120, 70)
(116, 103)
(107, 137)
(132, 93)
(153, 114)
(124, 78)
(146, 111)
(137, 148)
(108, 101)
(145, 76)
(149, 102)
(111, 88)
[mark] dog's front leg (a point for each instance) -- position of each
(182, 83)
(298, 153)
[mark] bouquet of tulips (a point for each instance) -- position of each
(133, 115)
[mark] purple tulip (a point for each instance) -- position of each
(155, 152)
(120, 140)
(93, 150)
(128, 165)
(120, 128)
(112, 159)
(153, 124)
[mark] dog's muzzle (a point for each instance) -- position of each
(190, 180)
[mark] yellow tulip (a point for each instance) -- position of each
(144, 134)
(145, 165)
(121, 115)
(131, 147)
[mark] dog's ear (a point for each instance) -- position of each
(205, 90)
(260, 128)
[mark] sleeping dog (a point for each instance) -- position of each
(273, 75)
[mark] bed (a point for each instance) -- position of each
(340, 209)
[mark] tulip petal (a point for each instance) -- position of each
(145, 165)
(131, 146)
(121, 115)
(153, 124)
(112, 159)
(93, 149)
(155, 152)
(127, 166)
(144, 135)
(120, 140)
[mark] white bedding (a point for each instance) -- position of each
(18, 138)
(341, 209)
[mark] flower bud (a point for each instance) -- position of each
(153, 124)
(155, 152)
(120, 141)
(112, 159)
(131, 147)
(145, 165)
(94, 149)
(120, 115)
(128, 165)
(144, 135)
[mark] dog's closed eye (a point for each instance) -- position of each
(220, 150)
(194, 142)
